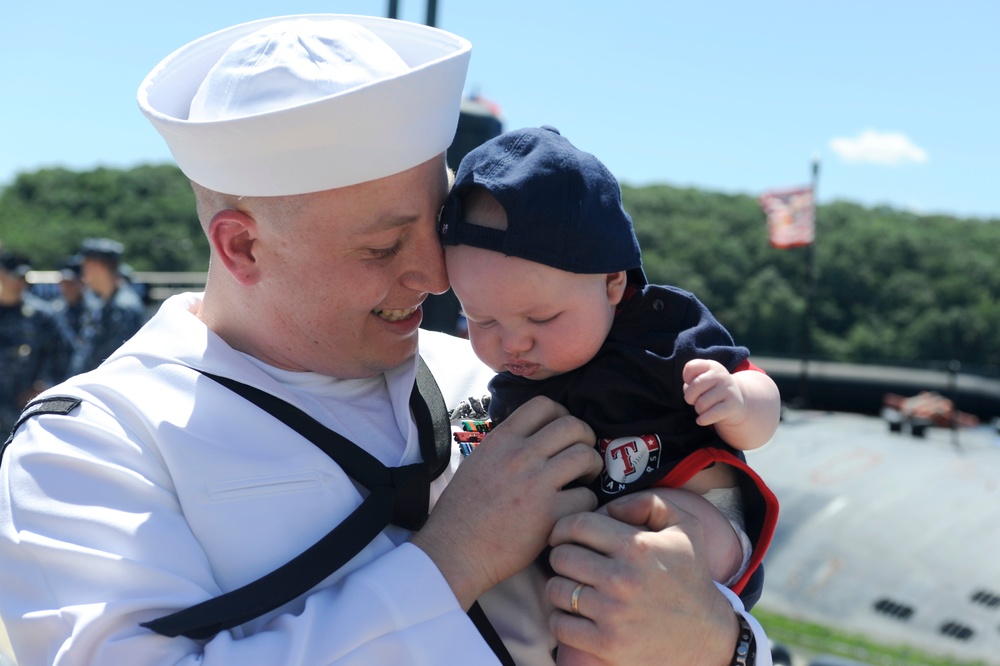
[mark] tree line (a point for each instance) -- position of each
(891, 286)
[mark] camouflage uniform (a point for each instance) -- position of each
(104, 326)
(68, 320)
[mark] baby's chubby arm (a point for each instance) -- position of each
(744, 407)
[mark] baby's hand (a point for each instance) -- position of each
(712, 391)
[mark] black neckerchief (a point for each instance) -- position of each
(398, 495)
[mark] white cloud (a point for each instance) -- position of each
(872, 147)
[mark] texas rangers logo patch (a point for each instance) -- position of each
(626, 459)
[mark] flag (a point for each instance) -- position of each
(789, 216)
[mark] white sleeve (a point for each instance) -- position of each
(93, 542)
(763, 646)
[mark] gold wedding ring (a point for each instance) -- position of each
(574, 601)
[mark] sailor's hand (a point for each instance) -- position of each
(647, 596)
(496, 514)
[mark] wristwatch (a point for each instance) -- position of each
(746, 646)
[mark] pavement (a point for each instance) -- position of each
(884, 534)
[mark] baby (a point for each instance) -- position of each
(546, 265)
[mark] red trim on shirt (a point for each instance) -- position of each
(747, 365)
(702, 458)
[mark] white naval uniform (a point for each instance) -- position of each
(165, 488)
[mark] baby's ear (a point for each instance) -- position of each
(616, 286)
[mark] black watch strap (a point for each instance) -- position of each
(746, 646)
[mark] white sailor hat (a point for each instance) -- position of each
(298, 104)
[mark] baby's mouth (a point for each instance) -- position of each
(521, 369)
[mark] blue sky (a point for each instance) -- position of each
(899, 100)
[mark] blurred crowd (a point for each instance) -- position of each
(46, 340)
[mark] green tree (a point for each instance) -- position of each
(150, 209)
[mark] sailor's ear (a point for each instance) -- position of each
(232, 234)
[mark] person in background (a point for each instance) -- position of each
(114, 315)
(29, 345)
(284, 425)
(68, 309)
